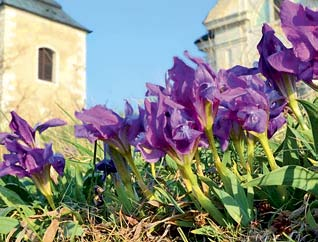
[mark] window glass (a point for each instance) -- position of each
(46, 59)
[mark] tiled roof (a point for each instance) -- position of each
(49, 9)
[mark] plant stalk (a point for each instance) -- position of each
(250, 153)
(42, 182)
(198, 165)
(293, 104)
(262, 137)
(216, 158)
(205, 202)
(123, 171)
(145, 190)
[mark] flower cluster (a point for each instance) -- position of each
(197, 108)
(26, 158)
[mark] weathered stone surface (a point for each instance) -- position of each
(21, 35)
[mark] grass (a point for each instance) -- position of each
(89, 209)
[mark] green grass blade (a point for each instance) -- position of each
(312, 111)
(304, 140)
(166, 195)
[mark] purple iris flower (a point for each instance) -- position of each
(269, 45)
(101, 123)
(248, 103)
(283, 68)
(23, 131)
(168, 129)
(277, 104)
(107, 166)
(25, 159)
(31, 162)
(248, 107)
(223, 126)
(276, 61)
(301, 28)
(195, 89)
(242, 108)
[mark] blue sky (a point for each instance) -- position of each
(133, 42)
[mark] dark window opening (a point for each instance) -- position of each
(46, 58)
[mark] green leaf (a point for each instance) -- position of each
(312, 111)
(231, 205)
(72, 229)
(123, 199)
(7, 224)
(171, 163)
(235, 189)
(167, 196)
(294, 176)
(26, 210)
(240, 214)
(10, 198)
(265, 168)
(19, 188)
(5, 211)
(304, 140)
(226, 159)
(208, 181)
(79, 186)
(290, 149)
(211, 231)
(309, 216)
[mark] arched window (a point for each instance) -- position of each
(46, 64)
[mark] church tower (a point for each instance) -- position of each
(42, 60)
(234, 28)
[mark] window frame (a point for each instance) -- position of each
(54, 64)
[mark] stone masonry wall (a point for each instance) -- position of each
(35, 99)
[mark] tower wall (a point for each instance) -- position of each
(34, 99)
(1, 53)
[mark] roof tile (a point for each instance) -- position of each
(49, 9)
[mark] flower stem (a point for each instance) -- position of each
(238, 144)
(145, 190)
(239, 147)
(205, 202)
(217, 160)
(262, 137)
(153, 170)
(42, 182)
(293, 104)
(123, 171)
(49, 198)
(271, 159)
(198, 164)
(93, 180)
(250, 153)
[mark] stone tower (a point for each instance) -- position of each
(234, 28)
(42, 60)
